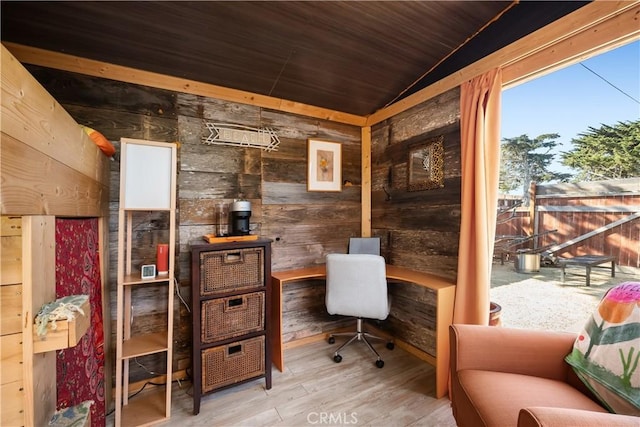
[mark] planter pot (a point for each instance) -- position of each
(494, 314)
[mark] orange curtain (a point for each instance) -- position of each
(480, 139)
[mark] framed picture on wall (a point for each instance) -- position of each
(324, 166)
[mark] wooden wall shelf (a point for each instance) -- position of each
(66, 334)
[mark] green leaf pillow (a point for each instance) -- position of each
(605, 355)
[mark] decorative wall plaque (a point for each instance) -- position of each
(242, 136)
(425, 168)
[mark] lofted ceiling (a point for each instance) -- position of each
(350, 56)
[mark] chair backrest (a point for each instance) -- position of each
(364, 245)
(357, 286)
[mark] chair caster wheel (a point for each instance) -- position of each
(331, 340)
(391, 345)
(379, 363)
(337, 358)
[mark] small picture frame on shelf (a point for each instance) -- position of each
(324, 166)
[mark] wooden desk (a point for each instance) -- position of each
(588, 261)
(445, 292)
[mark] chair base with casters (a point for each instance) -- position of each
(360, 335)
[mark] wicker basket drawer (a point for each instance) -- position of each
(230, 317)
(231, 270)
(232, 363)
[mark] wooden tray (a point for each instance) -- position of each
(211, 238)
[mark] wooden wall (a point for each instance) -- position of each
(419, 229)
(304, 226)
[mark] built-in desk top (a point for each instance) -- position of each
(394, 272)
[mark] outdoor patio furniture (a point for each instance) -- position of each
(587, 261)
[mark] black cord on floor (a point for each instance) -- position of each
(154, 384)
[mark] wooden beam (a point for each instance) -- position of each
(38, 288)
(589, 209)
(365, 146)
(103, 245)
(75, 64)
(559, 35)
(607, 35)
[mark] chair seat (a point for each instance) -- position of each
(482, 387)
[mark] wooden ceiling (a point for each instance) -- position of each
(349, 56)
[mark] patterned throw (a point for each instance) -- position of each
(606, 353)
(80, 369)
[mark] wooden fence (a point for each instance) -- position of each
(567, 220)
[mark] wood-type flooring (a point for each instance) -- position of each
(315, 391)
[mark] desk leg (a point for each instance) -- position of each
(276, 324)
(588, 275)
(444, 299)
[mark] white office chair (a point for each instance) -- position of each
(357, 286)
(364, 245)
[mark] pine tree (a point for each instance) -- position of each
(524, 160)
(608, 152)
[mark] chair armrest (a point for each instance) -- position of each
(558, 417)
(518, 351)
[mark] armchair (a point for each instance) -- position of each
(516, 377)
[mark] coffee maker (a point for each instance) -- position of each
(240, 214)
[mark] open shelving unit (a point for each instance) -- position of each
(147, 184)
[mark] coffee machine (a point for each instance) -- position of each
(240, 214)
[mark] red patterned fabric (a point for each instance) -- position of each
(80, 369)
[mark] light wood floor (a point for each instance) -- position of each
(314, 390)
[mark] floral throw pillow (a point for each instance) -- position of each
(606, 353)
(76, 416)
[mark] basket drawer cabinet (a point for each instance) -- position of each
(230, 308)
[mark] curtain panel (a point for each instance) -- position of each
(480, 100)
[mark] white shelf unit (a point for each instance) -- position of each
(147, 185)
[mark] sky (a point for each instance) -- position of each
(570, 100)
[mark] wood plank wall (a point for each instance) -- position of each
(304, 226)
(418, 229)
